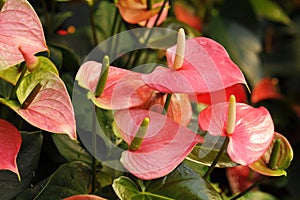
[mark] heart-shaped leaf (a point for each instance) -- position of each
(51, 109)
(205, 156)
(182, 183)
(19, 27)
(10, 143)
(70, 179)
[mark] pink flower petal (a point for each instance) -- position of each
(253, 132)
(164, 147)
(84, 197)
(10, 143)
(51, 109)
(19, 27)
(123, 89)
(206, 68)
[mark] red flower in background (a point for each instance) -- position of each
(137, 11)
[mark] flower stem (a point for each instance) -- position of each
(216, 160)
(167, 103)
(14, 90)
(249, 188)
(94, 147)
(93, 26)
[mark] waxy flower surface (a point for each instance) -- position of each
(253, 131)
(164, 146)
(123, 88)
(19, 27)
(206, 68)
(10, 143)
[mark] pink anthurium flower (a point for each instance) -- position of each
(84, 197)
(19, 27)
(10, 143)
(180, 109)
(136, 11)
(49, 107)
(206, 68)
(123, 88)
(253, 130)
(164, 146)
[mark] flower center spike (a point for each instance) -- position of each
(231, 115)
(179, 56)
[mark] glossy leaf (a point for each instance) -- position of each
(206, 68)
(51, 109)
(68, 180)
(10, 143)
(123, 89)
(284, 159)
(70, 149)
(19, 27)
(204, 155)
(182, 183)
(28, 157)
(253, 132)
(164, 147)
(84, 197)
(271, 11)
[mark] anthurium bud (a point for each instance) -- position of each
(103, 77)
(231, 115)
(276, 159)
(31, 61)
(179, 56)
(139, 136)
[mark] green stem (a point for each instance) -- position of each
(167, 103)
(115, 30)
(93, 26)
(216, 160)
(94, 146)
(14, 90)
(250, 188)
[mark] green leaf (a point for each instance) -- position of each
(5, 88)
(182, 183)
(70, 149)
(259, 195)
(271, 11)
(45, 64)
(206, 153)
(70, 179)
(27, 162)
(11, 74)
(242, 45)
